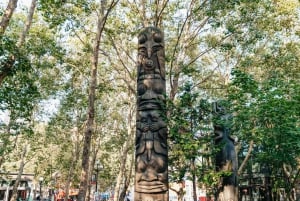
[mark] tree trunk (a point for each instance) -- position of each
(124, 190)
(27, 23)
(193, 167)
(90, 118)
(174, 86)
(12, 5)
(144, 13)
(291, 179)
(69, 178)
(75, 158)
(14, 196)
(91, 108)
(118, 184)
(123, 172)
(179, 193)
(241, 168)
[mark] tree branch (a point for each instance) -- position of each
(11, 6)
(246, 158)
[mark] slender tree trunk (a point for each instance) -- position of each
(144, 13)
(119, 196)
(75, 158)
(14, 196)
(91, 108)
(123, 173)
(124, 190)
(291, 177)
(179, 192)
(27, 23)
(174, 87)
(193, 167)
(69, 178)
(242, 166)
(90, 121)
(12, 5)
(118, 184)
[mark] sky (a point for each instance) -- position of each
(3, 3)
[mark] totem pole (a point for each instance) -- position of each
(151, 157)
(226, 159)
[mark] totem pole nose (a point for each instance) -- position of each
(146, 128)
(149, 63)
(149, 52)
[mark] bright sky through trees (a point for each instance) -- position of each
(20, 2)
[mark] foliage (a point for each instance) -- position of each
(19, 93)
(267, 109)
(10, 55)
(189, 131)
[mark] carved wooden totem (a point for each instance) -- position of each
(226, 159)
(151, 159)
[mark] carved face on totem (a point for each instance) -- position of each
(151, 71)
(151, 152)
(151, 53)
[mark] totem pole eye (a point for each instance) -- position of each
(142, 51)
(154, 119)
(156, 48)
(157, 37)
(142, 38)
(144, 120)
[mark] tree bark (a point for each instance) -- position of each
(69, 178)
(193, 168)
(123, 173)
(27, 24)
(291, 179)
(90, 116)
(91, 108)
(180, 192)
(12, 5)
(14, 196)
(241, 168)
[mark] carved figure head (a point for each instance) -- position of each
(151, 52)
